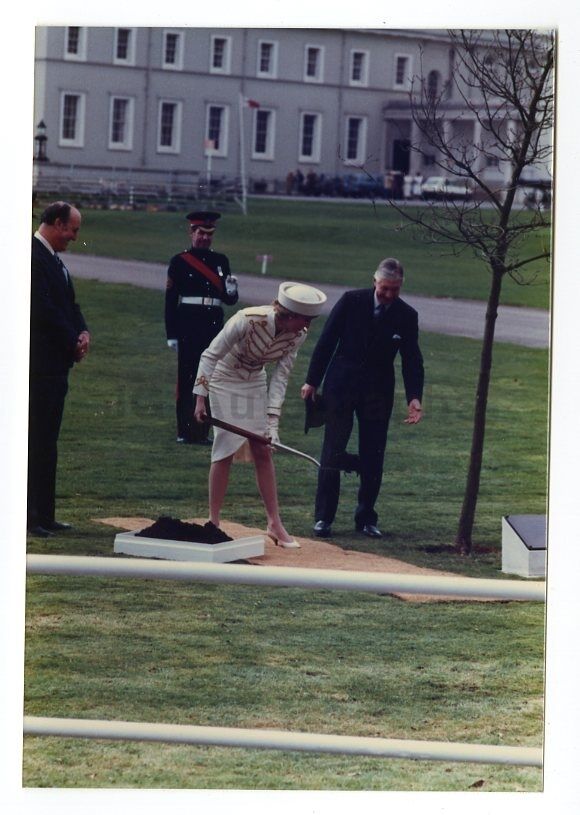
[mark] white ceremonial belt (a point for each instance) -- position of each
(200, 301)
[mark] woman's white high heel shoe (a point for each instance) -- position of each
(291, 544)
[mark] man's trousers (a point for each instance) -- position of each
(46, 407)
(372, 412)
(188, 355)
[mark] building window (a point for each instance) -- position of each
(75, 43)
(220, 55)
(403, 65)
(72, 120)
(124, 46)
(267, 59)
(169, 127)
(121, 123)
(356, 127)
(451, 73)
(359, 67)
(310, 132)
(173, 50)
(433, 85)
(216, 129)
(313, 63)
(263, 138)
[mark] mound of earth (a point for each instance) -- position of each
(166, 528)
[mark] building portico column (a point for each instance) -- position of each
(415, 158)
(477, 146)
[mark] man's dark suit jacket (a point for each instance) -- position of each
(356, 351)
(55, 318)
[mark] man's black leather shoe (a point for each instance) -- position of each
(56, 526)
(39, 532)
(370, 530)
(321, 529)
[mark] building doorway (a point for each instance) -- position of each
(401, 155)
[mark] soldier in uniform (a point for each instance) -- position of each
(199, 281)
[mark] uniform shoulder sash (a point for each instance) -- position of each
(205, 270)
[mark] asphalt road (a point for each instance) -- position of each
(462, 318)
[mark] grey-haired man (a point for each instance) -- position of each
(354, 357)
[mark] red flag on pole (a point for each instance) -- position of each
(251, 103)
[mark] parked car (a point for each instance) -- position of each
(361, 185)
(438, 187)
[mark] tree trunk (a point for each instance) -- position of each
(463, 540)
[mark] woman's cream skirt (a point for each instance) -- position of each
(237, 401)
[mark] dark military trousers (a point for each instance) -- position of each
(197, 327)
(188, 356)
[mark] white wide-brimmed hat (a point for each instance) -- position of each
(301, 299)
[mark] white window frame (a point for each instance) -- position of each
(364, 80)
(273, 72)
(268, 154)
(319, 75)
(127, 143)
(79, 140)
(81, 55)
(226, 67)
(178, 64)
(130, 58)
(222, 150)
(358, 160)
(407, 80)
(317, 138)
(175, 147)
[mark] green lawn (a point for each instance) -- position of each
(290, 659)
(315, 241)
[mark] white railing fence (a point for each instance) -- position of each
(333, 579)
(283, 740)
(290, 578)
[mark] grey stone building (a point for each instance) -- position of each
(179, 107)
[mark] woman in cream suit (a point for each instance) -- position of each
(232, 373)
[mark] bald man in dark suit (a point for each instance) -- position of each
(58, 338)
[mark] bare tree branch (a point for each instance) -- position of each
(503, 81)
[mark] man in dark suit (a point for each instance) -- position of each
(354, 356)
(58, 338)
(199, 281)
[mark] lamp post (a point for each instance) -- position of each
(40, 142)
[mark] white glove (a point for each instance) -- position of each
(273, 422)
(172, 344)
(231, 284)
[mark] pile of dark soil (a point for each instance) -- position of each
(166, 528)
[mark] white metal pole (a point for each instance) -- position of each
(243, 156)
(372, 582)
(209, 153)
(284, 740)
